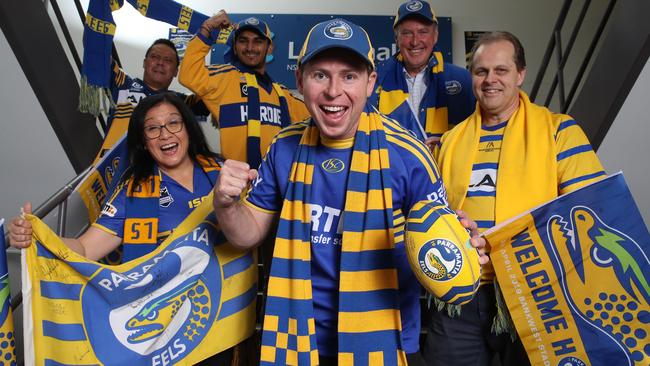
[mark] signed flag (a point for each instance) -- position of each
(98, 183)
(193, 297)
(575, 275)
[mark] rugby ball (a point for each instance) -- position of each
(440, 254)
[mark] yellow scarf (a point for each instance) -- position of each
(527, 164)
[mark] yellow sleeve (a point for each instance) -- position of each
(208, 83)
(578, 165)
(297, 110)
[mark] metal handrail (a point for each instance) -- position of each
(562, 55)
(60, 200)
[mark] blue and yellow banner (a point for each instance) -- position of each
(7, 342)
(98, 183)
(99, 29)
(575, 276)
(193, 297)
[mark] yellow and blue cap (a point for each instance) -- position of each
(337, 33)
(415, 9)
(256, 25)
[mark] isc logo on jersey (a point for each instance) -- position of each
(333, 165)
(440, 254)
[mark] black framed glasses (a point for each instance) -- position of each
(153, 132)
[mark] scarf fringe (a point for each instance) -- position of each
(91, 98)
(502, 322)
(452, 310)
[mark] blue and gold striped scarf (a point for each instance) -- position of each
(369, 325)
(254, 130)
(394, 94)
(142, 205)
(99, 29)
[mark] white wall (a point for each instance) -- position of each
(626, 145)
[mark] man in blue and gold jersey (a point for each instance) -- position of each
(416, 87)
(339, 186)
(248, 107)
(508, 157)
(160, 66)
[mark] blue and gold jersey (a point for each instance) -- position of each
(577, 166)
(481, 193)
(176, 203)
(410, 162)
(224, 89)
(482, 188)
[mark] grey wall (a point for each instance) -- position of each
(33, 164)
(626, 145)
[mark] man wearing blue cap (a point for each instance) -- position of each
(338, 186)
(246, 105)
(416, 87)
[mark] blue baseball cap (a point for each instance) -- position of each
(337, 33)
(256, 25)
(419, 9)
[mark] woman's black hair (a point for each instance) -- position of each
(141, 163)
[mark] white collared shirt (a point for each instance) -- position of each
(417, 87)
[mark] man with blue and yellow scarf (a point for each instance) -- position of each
(160, 67)
(415, 86)
(339, 186)
(508, 157)
(247, 106)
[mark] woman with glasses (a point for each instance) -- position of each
(167, 149)
(171, 170)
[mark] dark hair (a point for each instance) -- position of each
(167, 43)
(141, 163)
(491, 37)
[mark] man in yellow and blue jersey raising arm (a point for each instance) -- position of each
(339, 185)
(248, 107)
(416, 87)
(509, 156)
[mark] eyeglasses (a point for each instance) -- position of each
(153, 132)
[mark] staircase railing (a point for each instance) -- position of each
(562, 55)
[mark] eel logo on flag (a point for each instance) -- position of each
(184, 287)
(574, 273)
(192, 297)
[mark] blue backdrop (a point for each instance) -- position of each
(290, 30)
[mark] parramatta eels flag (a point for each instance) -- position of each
(98, 183)
(7, 342)
(193, 297)
(575, 276)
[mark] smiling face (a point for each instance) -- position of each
(336, 85)
(251, 49)
(496, 81)
(416, 39)
(169, 150)
(160, 67)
